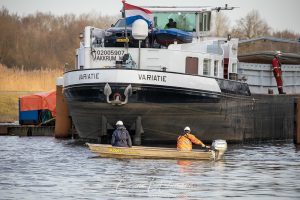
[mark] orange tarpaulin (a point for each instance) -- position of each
(39, 101)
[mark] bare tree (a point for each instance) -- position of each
(286, 34)
(9, 36)
(43, 40)
(220, 25)
(251, 26)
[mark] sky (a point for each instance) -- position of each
(279, 14)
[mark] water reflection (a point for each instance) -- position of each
(47, 168)
(184, 166)
(297, 147)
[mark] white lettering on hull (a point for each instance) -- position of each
(141, 77)
(148, 77)
(107, 55)
(89, 76)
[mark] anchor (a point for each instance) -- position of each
(117, 97)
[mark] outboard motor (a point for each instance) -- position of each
(219, 146)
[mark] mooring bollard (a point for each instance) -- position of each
(63, 121)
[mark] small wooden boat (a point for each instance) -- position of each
(108, 151)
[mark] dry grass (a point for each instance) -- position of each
(15, 83)
(20, 80)
(9, 106)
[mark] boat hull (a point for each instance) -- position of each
(138, 152)
(161, 123)
(156, 113)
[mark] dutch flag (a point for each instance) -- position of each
(133, 13)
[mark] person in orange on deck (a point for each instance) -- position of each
(186, 139)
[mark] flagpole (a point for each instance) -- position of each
(126, 42)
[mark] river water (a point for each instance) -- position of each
(47, 168)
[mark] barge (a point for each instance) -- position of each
(157, 90)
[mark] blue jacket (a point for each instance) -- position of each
(121, 138)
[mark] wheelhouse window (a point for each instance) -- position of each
(184, 21)
(76, 61)
(204, 20)
(234, 68)
(216, 68)
(206, 67)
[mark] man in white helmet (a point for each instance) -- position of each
(186, 139)
(120, 136)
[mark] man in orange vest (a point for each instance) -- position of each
(276, 68)
(185, 141)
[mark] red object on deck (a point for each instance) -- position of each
(39, 101)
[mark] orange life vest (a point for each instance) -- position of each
(184, 142)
